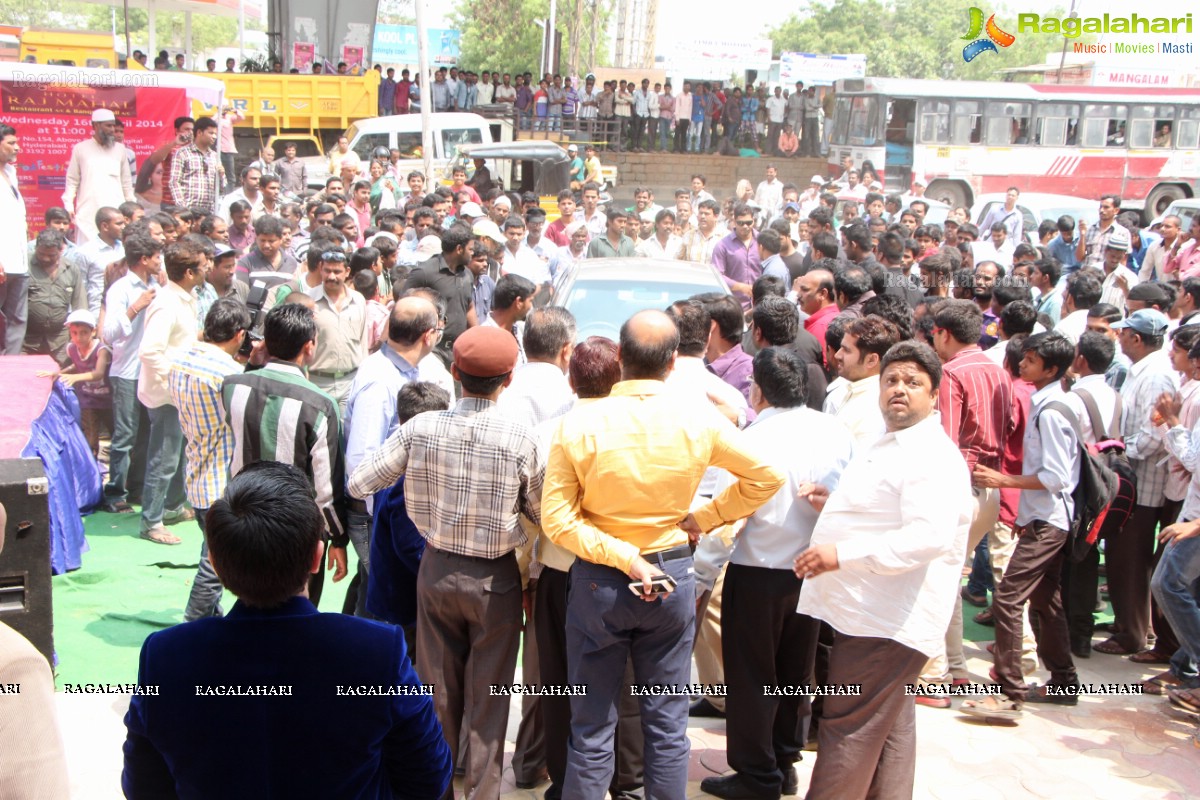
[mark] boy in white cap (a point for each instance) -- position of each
(88, 375)
(98, 175)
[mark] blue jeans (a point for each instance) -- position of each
(126, 412)
(14, 305)
(1176, 587)
(980, 582)
(696, 132)
(205, 598)
(524, 120)
(606, 623)
(164, 467)
(359, 531)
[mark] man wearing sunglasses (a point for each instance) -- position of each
(736, 256)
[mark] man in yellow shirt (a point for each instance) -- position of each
(620, 480)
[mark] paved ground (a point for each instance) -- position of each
(1124, 748)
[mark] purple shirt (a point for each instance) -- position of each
(524, 98)
(735, 368)
(737, 263)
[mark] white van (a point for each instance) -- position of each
(404, 133)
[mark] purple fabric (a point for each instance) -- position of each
(735, 368)
(737, 263)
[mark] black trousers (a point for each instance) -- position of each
(681, 133)
(550, 624)
(764, 642)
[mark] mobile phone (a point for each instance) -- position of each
(659, 584)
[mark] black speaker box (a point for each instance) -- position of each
(25, 601)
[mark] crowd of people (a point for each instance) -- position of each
(781, 483)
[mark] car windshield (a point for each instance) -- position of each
(601, 307)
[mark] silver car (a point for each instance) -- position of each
(604, 292)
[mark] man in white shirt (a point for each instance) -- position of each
(98, 175)
(769, 195)
(1008, 215)
(663, 243)
(777, 108)
(883, 569)
(765, 642)
(1118, 278)
(518, 258)
(248, 192)
(14, 255)
(170, 332)
(865, 341)
(589, 213)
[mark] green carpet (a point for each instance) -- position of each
(127, 589)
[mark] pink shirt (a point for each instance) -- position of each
(226, 130)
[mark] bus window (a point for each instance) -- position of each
(1103, 126)
(1008, 123)
(864, 120)
(935, 122)
(968, 122)
(1150, 126)
(1187, 129)
(1056, 124)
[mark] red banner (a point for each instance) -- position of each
(50, 118)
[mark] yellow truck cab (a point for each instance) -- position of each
(68, 48)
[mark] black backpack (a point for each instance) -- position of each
(1093, 494)
(1112, 452)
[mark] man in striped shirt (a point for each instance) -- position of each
(195, 384)
(975, 402)
(279, 415)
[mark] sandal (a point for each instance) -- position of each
(1150, 657)
(1112, 647)
(121, 507)
(160, 535)
(1187, 699)
(992, 707)
(985, 617)
(1159, 684)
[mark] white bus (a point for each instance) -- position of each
(968, 138)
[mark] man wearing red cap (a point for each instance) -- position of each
(469, 472)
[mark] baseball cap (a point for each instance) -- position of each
(817, 179)
(81, 316)
(485, 352)
(1148, 321)
(223, 250)
(103, 115)
(1119, 239)
(573, 148)
(792, 207)
(471, 210)
(485, 227)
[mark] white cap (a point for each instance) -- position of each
(919, 180)
(471, 210)
(573, 148)
(573, 228)
(81, 316)
(485, 227)
(817, 179)
(1119, 239)
(503, 200)
(103, 115)
(381, 235)
(429, 246)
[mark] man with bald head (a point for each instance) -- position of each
(412, 334)
(620, 481)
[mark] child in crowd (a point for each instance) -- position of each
(366, 283)
(88, 375)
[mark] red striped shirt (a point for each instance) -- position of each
(975, 401)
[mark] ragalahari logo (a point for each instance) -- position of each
(995, 36)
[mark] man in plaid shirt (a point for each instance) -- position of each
(468, 474)
(194, 169)
(195, 384)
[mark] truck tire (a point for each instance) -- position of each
(1161, 197)
(954, 193)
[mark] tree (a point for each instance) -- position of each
(908, 38)
(208, 32)
(501, 34)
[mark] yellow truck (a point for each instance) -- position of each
(68, 48)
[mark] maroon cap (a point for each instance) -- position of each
(485, 352)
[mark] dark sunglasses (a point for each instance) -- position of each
(333, 255)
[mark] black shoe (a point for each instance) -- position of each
(731, 787)
(703, 708)
(791, 782)
(537, 781)
(1064, 694)
(1081, 646)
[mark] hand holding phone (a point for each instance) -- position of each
(659, 585)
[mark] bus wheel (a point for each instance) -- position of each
(953, 193)
(1161, 197)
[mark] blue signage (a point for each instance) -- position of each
(397, 44)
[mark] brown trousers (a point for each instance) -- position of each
(1130, 559)
(1034, 575)
(468, 634)
(868, 744)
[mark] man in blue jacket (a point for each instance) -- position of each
(303, 704)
